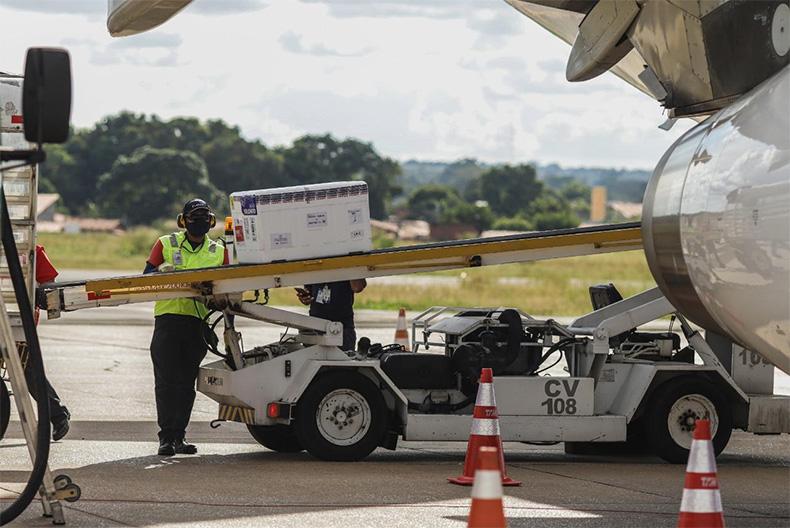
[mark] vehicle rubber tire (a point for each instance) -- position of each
(278, 437)
(678, 391)
(341, 388)
(5, 408)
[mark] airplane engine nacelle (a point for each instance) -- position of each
(716, 221)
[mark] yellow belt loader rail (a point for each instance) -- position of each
(393, 261)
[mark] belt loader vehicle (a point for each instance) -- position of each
(617, 385)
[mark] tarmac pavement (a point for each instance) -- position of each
(103, 373)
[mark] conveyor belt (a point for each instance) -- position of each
(392, 261)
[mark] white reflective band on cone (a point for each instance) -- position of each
(485, 427)
(487, 485)
(700, 501)
(701, 459)
(485, 395)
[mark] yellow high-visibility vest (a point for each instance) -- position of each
(177, 251)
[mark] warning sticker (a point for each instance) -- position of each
(249, 205)
(281, 240)
(316, 220)
(239, 229)
(354, 216)
(249, 229)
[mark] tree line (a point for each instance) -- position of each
(504, 197)
(141, 169)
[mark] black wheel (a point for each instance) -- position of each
(341, 416)
(5, 408)
(71, 492)
(279, 437)
(61, 481)
(674, 408)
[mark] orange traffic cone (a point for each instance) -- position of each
(701, 504)
(487, 510)
(401, 332)
(485, 432)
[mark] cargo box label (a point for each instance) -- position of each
(249, 229)
(249, 206)
(316, 220)
(357, 234)
(354, 216)
(281, 240)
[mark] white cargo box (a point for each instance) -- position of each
(10, 104)
(306, 221)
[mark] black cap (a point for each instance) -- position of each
(195, 204)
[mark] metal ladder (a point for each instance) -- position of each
(20, 187)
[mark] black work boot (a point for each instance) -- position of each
(166, 448)
(183, 448)
(60, 427)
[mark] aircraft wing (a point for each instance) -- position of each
(694, 57)
(562, 19)
(129, 17)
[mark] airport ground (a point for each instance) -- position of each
(99, 361)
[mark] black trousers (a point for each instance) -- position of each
(57, 411)
(177, 348)
(349, 338)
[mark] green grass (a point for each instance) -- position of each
(102, 251)
(556, 287)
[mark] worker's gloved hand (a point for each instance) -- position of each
(166, 266)
(304, 296)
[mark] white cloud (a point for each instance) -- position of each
(428, 79)
(225, 7)
(50, 7)
(294, 43)
(400, 8)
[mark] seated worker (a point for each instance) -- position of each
(59, 415)
(178, 344)
(334, 301)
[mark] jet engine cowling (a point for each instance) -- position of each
(716, 221)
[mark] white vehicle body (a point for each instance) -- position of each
(610, 387)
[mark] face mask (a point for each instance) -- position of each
(198, 227)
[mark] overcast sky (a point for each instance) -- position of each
(424, 79)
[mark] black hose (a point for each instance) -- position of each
(553, 348)
(35, 363)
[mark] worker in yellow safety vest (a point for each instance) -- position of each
(179, 343)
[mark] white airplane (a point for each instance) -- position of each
(716, 215)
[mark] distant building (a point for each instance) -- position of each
(598, 204)
(452, 231)
(386, 228)
(414, 230)
(50, 221)
(490, 233)
(45, 207)
(76, 224)
(627, 209)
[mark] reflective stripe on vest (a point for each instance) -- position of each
(177, 251)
